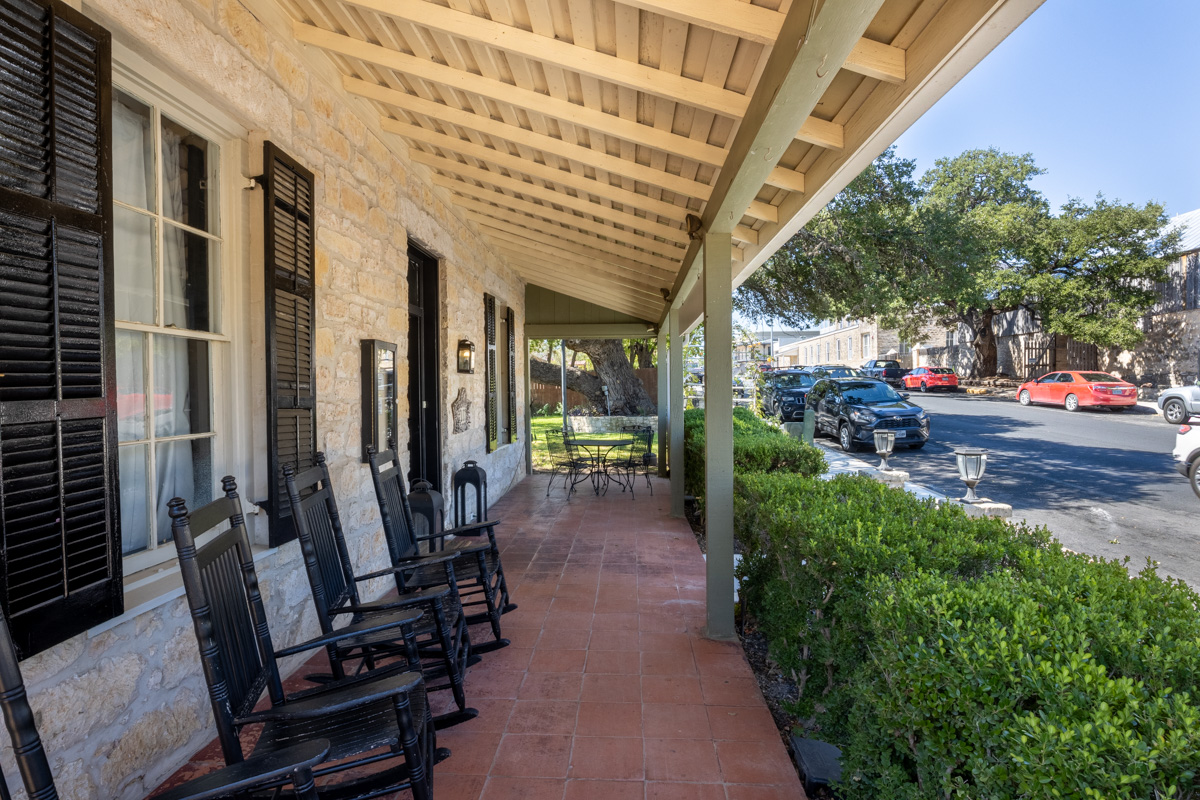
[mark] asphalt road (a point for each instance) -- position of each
(1103, 482)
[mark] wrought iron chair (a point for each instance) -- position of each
(619, 466)
(360, 717)
(292, 765)
(586, 465)
(474, 567)
(644, 455)
(559, 458)
(443, 645)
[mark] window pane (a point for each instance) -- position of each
(132, 152)
(184, 470)
(135, 497)
(133, 251)
(181, 387)
(189, 280)
(189, 167)
(131, 386)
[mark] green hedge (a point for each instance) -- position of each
(757, 447)
(953, 656)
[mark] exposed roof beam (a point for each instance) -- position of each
(533, 169)
(582, 204)
(666, 254)
(877, 60)
(527, 138)
(568, 56)
(817, 131)
(545, 271)
(785, 178)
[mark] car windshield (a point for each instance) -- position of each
(1099, 377)
(869, 392)
(793, 381)
(941, 370)
(838, 372)
(888, 364)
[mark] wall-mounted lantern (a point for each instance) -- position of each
(466, 357)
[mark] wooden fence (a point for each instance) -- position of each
(551, 395)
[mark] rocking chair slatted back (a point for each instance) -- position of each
(227, 611)
(325, 555)
(393, 506)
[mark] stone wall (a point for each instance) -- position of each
(609, 424)
(122, 706)
(1166, 357)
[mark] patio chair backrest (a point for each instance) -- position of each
(556, 448)
(18, 716)
(571, 448)
(319, 528)
(397, 518)
(236, 652)
(643, 436)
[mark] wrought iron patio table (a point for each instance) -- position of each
(596, 450)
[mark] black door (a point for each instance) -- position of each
(424, 440)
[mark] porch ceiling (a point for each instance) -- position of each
(580, 134)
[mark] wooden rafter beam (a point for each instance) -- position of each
(817, 131)
(541, 269)
(533, 169)
(556, 52)
(877, 60)
(784, 178)
(663, 254)
(539, 192)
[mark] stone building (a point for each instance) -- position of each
(853, 342)
(211, 209)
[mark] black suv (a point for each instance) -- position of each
(851, 409)
(784, 392)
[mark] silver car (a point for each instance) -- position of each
(1180, 403)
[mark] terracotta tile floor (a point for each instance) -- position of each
(609, 688)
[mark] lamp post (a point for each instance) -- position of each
(972, 462)
(885, 443)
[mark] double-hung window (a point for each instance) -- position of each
(168, 252)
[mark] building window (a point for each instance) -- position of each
(838, 344)
(827, 349)
(168, 251)
(849, 347)
(866, 344)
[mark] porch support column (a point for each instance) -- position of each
(562, 347)
(718, 432)
(675, 414)
(664, 398)
(527, 413)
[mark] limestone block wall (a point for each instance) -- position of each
(1166, 357)
(122, 706)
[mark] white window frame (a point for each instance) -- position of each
(228, 348)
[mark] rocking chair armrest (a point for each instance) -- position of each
(407, 565)
(256, 771)
(343, 697)
(350, 631)
(474, 529)
(393, 603)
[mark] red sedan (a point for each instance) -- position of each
(927, 378)
(1074, 389)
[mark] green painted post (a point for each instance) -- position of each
(718, 433)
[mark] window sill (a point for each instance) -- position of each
(154, 587)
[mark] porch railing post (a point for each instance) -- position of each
(718, 432)
(664, 398)
(675, 414)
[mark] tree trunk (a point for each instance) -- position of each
(641, 354)
(577, 380)
(983, 339)
(626, 393)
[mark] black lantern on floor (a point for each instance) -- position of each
(972, 463)
(428, 509)
(475, 476)
(466, 357)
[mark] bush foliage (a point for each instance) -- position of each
(953, 656)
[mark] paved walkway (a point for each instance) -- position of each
(609, 688)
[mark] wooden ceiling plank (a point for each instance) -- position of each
(567, 56)
(501, 92)
(535, 170)
(574, 264)
(664, 254)
(521, 136)
(581, 204)
(542, 268)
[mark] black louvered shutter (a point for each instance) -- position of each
(292, 397)
(60, 563)
(510, 320)
(489, 336)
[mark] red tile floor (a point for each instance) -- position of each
(609, 688)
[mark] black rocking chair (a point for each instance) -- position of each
(444, 646)
(292, 765)
(377, 717)
(476, 562)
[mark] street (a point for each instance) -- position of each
(1102, 482)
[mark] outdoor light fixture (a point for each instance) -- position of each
(972, 462)
(885, 443)
(466, 357)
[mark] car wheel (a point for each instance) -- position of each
(1194, 476)
(916, 446)
(846, 439)
(1174, 412)
(924, 388)
(1025, 398)
(1071, 403)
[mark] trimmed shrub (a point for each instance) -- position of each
(757, 447)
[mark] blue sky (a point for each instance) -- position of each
(1105, 94)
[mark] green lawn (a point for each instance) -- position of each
(544, 426)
